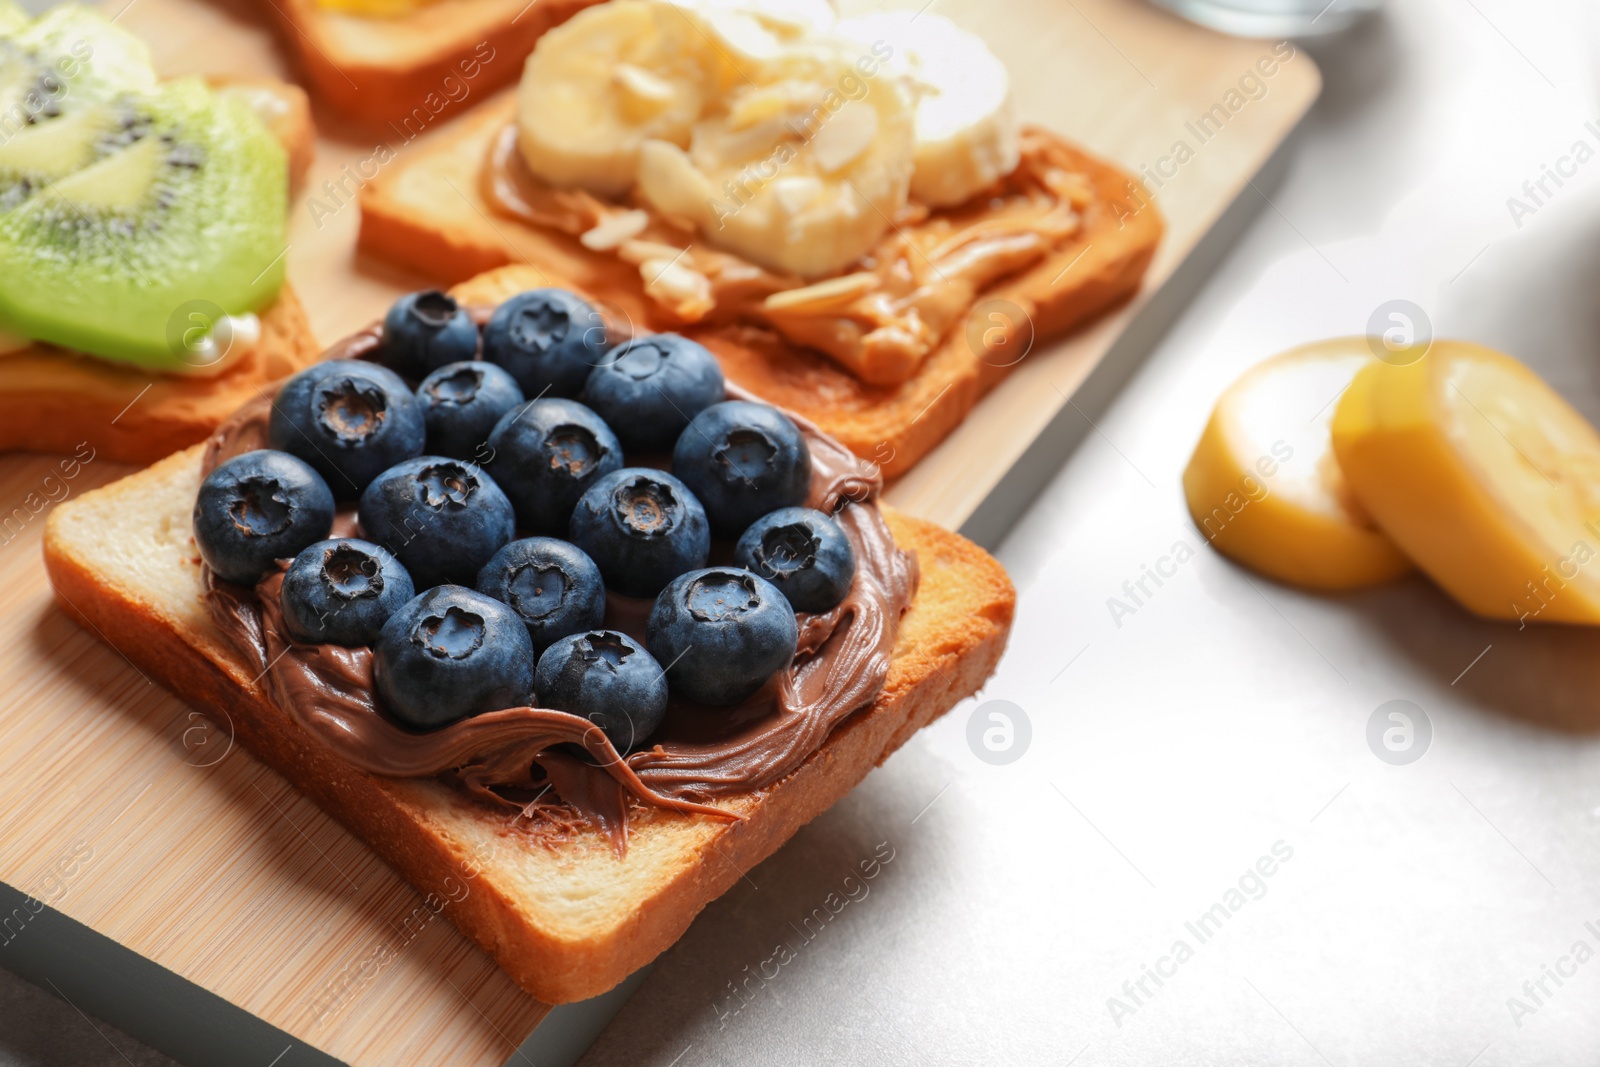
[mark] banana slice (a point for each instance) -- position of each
(966, 126)
(799, 171)
(1483, 475)
(793, 20)
(759, 30)
(607, 80)
(1264, 487)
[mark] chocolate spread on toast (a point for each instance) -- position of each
(523, 758)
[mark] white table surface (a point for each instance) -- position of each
(1228, 714)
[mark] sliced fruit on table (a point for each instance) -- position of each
(186, 203)
(1486, 477)
(1264, 486)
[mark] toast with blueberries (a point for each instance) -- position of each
(410, 62)
(142, 232)
(540, 609)
(845, 211)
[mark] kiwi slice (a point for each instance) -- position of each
(51, 70)
(12, 17)
(68, 56)
(157, 201)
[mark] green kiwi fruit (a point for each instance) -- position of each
(68, 55)
(12, 17)
(51, 70)
(156, 199)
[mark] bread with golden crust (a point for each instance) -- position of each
(383, 70)
(425, 210)
(54, 400)
(567, 920)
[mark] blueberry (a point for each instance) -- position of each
(552, 585)
(802, 552)
(424, 331)
(349, 420)
(607, 678)
(743, 460)
(643, 527)
(257, 508)
(652, 387)
(461, 402)
(548, 339)
(545, 454)
(722, 632)
(342, 591)
(451, 653)
(442, 517)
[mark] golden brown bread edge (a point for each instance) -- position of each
(122, 562)
(426, 211)
(418, 66)
(54, 400)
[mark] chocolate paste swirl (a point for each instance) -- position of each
(698, 754)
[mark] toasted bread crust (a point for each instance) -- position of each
(567, 921)
(379, 70)
(53, 400)
(426, 211)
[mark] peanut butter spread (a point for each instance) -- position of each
(879, 320)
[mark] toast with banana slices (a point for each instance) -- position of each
(428, 211)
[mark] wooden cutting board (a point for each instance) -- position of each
(124, 811)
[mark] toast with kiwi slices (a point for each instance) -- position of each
(412, 63)
(142, 238)
(844, 210)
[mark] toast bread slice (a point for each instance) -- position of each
(55, 400)
(573, 919)
(426, 211)
(379, 70)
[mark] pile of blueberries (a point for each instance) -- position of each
(465, 617)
